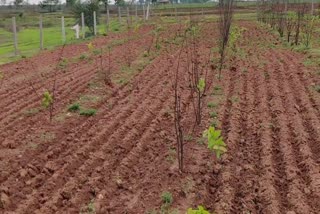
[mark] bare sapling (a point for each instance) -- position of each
(290, 23)
(178, 114)
(129, 34)
(49, 97)
(196, 82)
(225, 13)
(300, 14)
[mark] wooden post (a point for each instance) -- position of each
(148, 10)
(119, 14)
(83, 26)
(63, 30)
(41, 33)
(136, 8)
(108, 18)
(95, 23)
(15, 40)
(128, 15)
(176, 11)
(144, 12)
(312, 7)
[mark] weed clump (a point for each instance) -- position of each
(88, 112)
(74, 107)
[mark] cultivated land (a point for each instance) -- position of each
(122, 158)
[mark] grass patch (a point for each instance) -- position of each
(212, 105)
(88, 112)
(74, 107)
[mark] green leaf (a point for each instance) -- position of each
(201, 84)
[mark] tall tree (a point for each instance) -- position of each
(87, 8)
(51, 5)
(17, 2)
(3, 2)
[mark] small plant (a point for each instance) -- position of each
(212, 105)
(215, 141)
(200, 210)
(1, 78)
(90, 46)
(201, 84)
(213, 114)
(88, 112)
(83, 56)
(317, 88)
(188, 138)
(74, 107)
(63, 63)
(89, 209)
(167, 198)
(47, 99)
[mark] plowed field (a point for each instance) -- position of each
(121, 159)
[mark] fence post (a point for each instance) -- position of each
(63, 30)
(148, 8)
(15, 40)
(128, 15)
(82, 26)
(136, 14)
(108, 18)
(144, 12)
(41, 33)
(176, 11)
(95, 23)
(119, 14)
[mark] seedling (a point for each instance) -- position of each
(90, 46)
(213, 114)
(74, 107)
(167, 198)
(215, 141)
(200, 210)
(47, 99)
(212, 105)
(317, 88)
(83, 56)
(188, 138)
(88, 112)
(201, 85)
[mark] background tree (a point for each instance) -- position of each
(17, 2)
(87, 8)
(3, 2)
(120, 2)
(70, 3)
(50, 5)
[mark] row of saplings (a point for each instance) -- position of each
(198, 83)
(295, 26)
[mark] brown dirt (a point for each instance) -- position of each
(120, 160)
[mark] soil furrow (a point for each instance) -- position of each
(232, 130)
(97, 143)
(293, 190)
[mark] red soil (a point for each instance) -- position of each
(120, 159)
